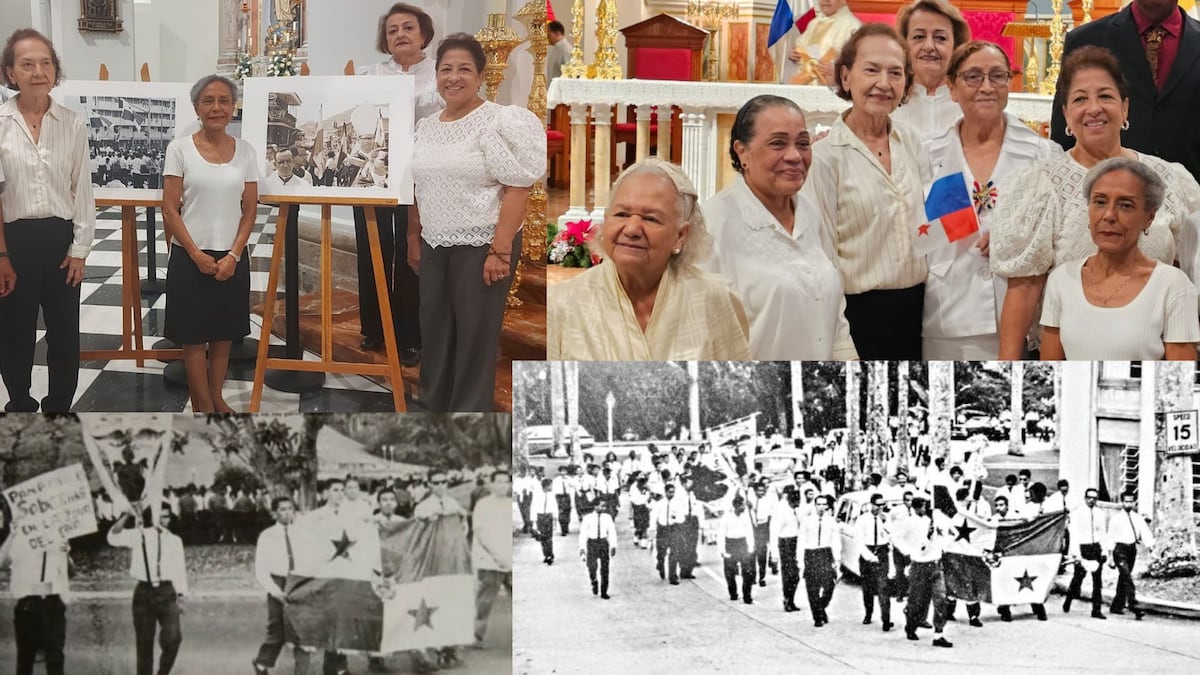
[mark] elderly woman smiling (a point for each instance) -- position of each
(1045, 222)
(767, 242)
(1118, 303)
(648, 301)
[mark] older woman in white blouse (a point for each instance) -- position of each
(932, 30)
(473, 166)
(766, 239)
(866, 181)
(1118, 303)
(962, 297)
(49, 216)
(648, 301)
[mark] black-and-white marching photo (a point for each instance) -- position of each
(856, 517)
(144, 543)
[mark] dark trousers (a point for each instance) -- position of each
(690, 538)
(597, 555)
(37, 248)
(545, 530)
(564, 512)
(486, 590)
(762, 535)
(973, 608)
(156, 608)
(1087, 552)
(641, 520)
(40, 625)
(886, 324)
(403, 284)
(901, 575)
(739, 559)
(461, 318)
(927, 584)
(667, 541)
(790, 569)
(524, 505)
(818, 580)
(278, 632)
(874, 577)
(1124, 555)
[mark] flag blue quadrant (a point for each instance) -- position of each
(947, 195)
(781, 22)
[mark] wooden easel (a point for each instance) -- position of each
(132, 344)
(391, 369)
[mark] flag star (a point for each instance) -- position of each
(342, 547)
(1025, 580)
(964, 531)
(422, 615)
(923, 230)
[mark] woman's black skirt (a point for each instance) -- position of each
(201, 309)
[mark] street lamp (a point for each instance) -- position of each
(611, 401)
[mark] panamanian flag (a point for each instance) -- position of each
(949, 215)
(1010, 563)
(366, 591)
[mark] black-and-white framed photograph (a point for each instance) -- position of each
(331, 136)
(129, 125)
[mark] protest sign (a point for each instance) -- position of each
(53, 507)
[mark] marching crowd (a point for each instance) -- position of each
(785, 522)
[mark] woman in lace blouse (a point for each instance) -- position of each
(648, 301)
(473, 165)
(1118, 303)
(1045, 224)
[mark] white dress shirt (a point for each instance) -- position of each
(868, 216)
(791, 292)
(424, 72)
(762, 508)
(49, 179)
(930, 115)
(872, 530)
(735, 526)
(638, 496)
(275, 555)
(962, 297)
(820, 532)
(163, 550)
(668, 511)
(596, 525)
(36, 572)
(491, 540)
(785, 522)
(1129, 527)
(1087, 526)
(914, 538)
(543, 503)
(560, 486)
(692, 507)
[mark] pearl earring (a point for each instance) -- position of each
(677, 251)
(1069, 132)
(1125, 126)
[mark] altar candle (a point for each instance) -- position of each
(498, 7)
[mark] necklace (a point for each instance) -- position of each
(1096, 279)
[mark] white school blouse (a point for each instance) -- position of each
(212, 193)
(426, 100)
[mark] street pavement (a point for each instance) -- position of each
(651, 627)
(221, 635)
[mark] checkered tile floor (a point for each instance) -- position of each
(123, 386)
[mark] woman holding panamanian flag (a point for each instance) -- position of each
(971, 162)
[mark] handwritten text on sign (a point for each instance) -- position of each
(52, 507)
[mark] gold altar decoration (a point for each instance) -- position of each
(533, 16)
(711, 15)
(1087, 6)
(607, 66)
(498, 41)
(1029, 31)
(575, 67)
(1057, 30)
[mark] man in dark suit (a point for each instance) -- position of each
(1163, 103)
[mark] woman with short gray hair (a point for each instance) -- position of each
(210, 190)
(648, 301)
(1120, 304)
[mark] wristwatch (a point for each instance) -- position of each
(3, 254)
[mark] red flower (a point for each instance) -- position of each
(579, 231)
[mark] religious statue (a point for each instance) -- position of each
(99, 16)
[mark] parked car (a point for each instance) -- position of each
(539, 438)
(847, 510)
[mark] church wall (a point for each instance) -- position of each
(82, 53)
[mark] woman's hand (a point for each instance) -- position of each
(984, 243)
(495, 266)
(206, 263)
(8, 277)
(414, 255)
(226, 266)
(74, 268)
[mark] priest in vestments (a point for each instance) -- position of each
(810, 59)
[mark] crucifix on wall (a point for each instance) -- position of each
(99, 16)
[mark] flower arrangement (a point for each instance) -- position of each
(569, 246)
(243, 69)
(281, 65)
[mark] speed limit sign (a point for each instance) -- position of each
(1182, 432)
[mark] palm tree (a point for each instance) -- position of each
(1017, 379)
(902, 411)
(520, 452)
(941, 406)
(878, 432)
(797, 399)
(557, 407)
(1174, 552)
(853, 451)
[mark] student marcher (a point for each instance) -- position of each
(597, 545)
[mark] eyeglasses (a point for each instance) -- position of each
(974, 78)
(437, 482)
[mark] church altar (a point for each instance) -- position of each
(706, 110)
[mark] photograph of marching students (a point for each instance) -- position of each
(755, 516)
(217, 533)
